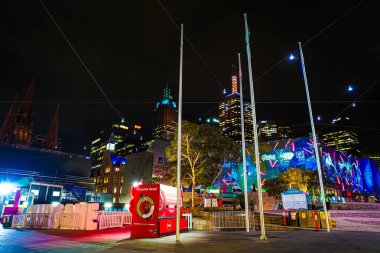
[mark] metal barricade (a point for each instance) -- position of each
(189, 218)
(70, 221)
(231, 220)
(110, 219)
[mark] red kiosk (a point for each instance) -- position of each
(153, 209)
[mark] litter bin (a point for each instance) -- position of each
(323, 219)
(293, 218)
(304, 219)
(7, 221)
(307, 219)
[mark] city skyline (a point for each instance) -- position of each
(135, 84)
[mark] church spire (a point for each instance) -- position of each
(51, 141)
(29, 95)
(4, 136)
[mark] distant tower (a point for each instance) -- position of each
(17, 127)
(229, 114)
(51, 140)
(166, 117)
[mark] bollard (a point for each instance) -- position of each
(316, 220)
(283, 216)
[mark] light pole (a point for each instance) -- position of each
(315, 142)
(255, 135)
(179, 139)
(243, 147)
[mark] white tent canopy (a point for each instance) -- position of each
(294, 199)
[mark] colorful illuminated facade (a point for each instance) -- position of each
(349, 174)
(229, 115)
(166, 117)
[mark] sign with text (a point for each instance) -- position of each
(144, 209)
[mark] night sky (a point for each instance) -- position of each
(132, 49)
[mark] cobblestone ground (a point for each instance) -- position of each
(357, 220)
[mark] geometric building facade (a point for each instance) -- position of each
(349, 174)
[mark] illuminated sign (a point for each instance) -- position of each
(111, 146)
(287, 155)
(267, 157)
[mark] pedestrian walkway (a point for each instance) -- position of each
(118, 240)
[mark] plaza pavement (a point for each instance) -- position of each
(118, 240)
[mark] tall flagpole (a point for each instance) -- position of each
(243, 147)
(179, 139)
(255, 139)
(315, 142)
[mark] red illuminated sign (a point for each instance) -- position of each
(153, 209)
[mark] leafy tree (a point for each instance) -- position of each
(305, 180)
(204, 150)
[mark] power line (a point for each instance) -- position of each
(80, 59)
(269, 70)
(189, 102)
(191, 44)
(353, 81)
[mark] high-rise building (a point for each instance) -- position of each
(284, 132)
(110, 178)
(268, 130)
(108, 139)
(166, 117)
(341, 137)
(17, 128)
(229, 114)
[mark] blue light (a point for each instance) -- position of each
(319, 118)
(224, 91)
(350, 88)
(174, 104)
(291, 57)
(165, 102)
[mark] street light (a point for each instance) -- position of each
(6, 188)
(315, 141)
(291, 57)
(350, 88)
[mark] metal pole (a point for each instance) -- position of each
(179, 139)
(255, 139)
(315, 143)
(243, 146)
